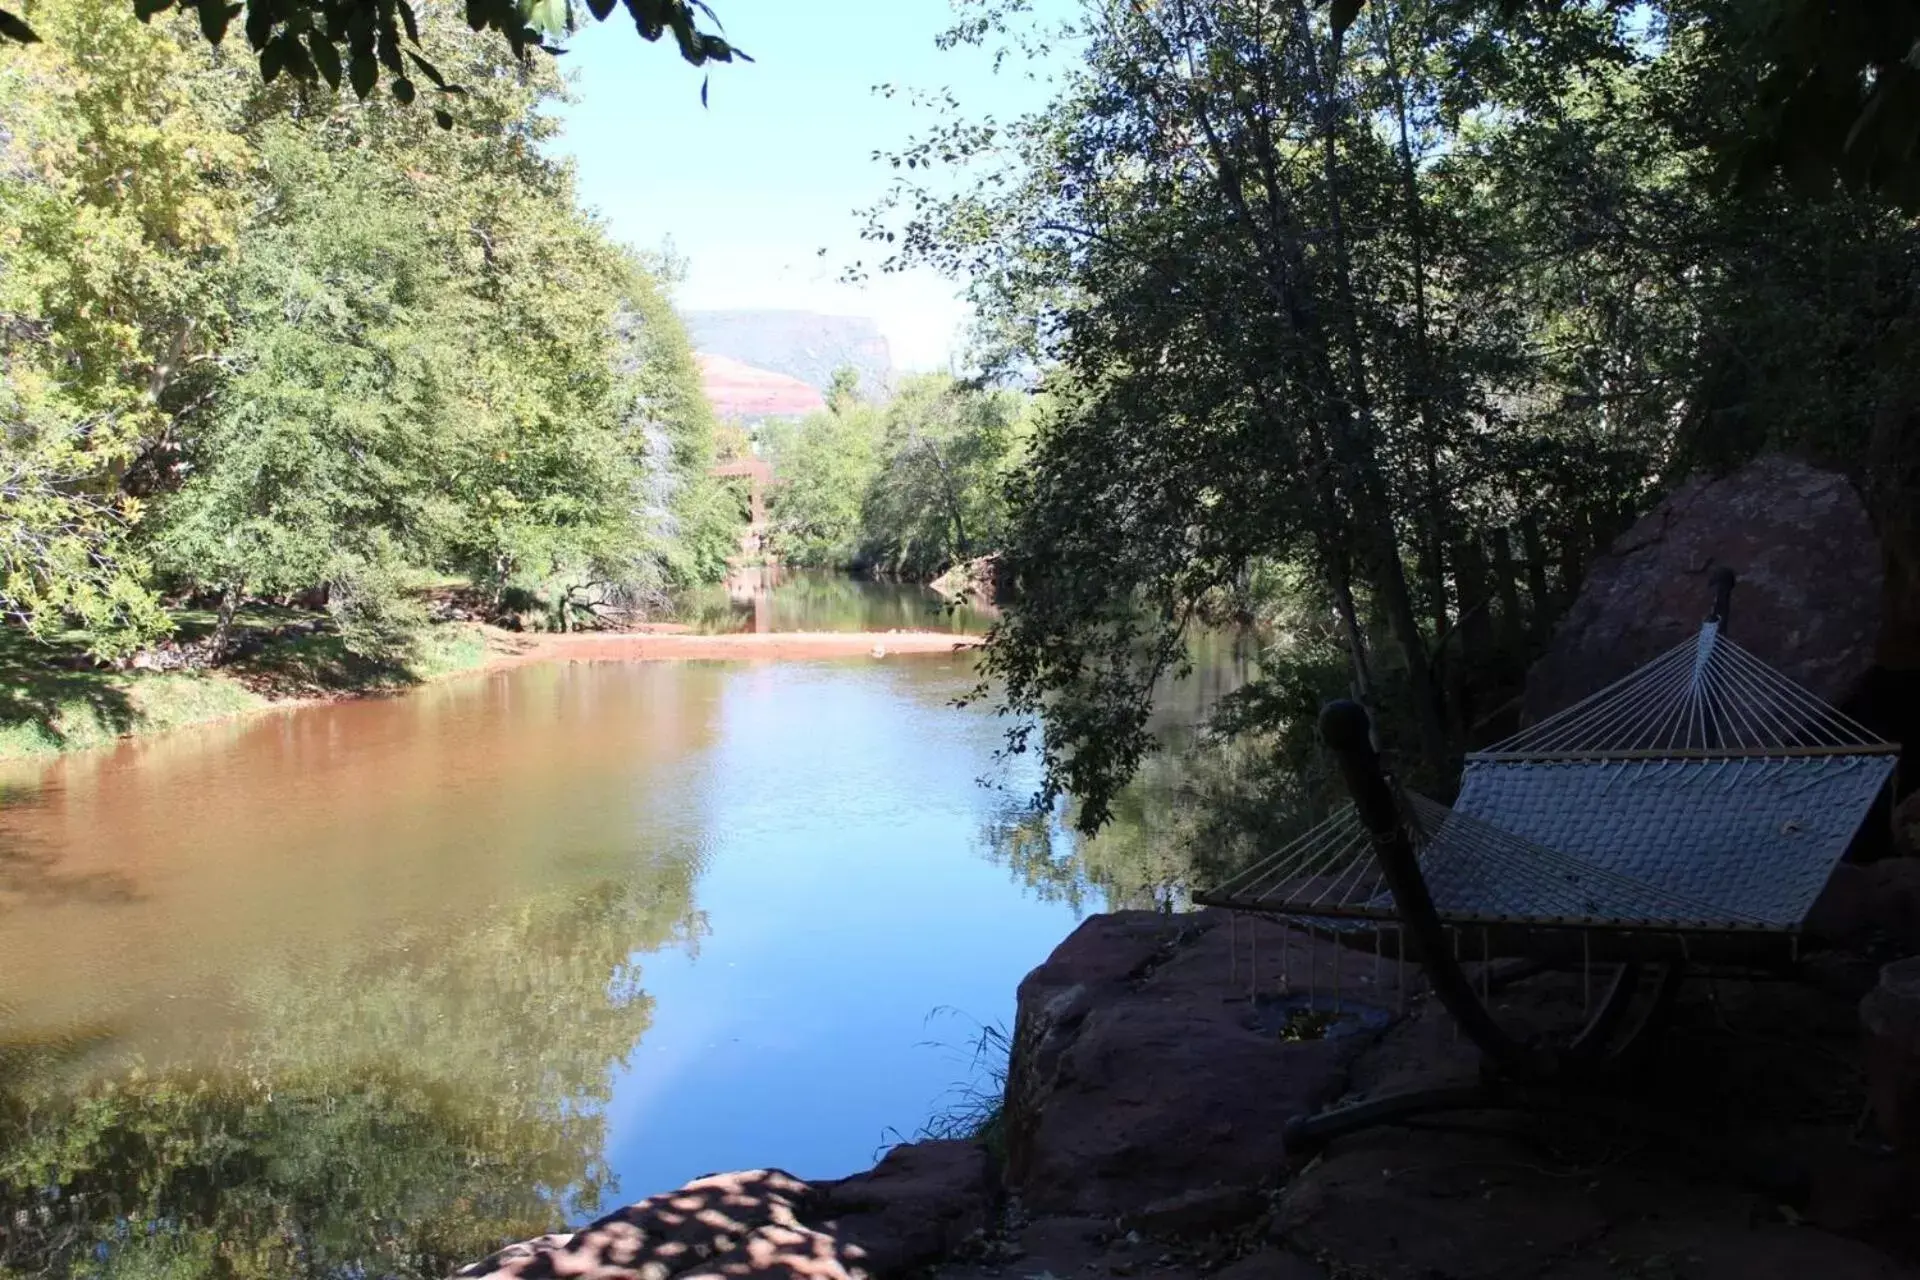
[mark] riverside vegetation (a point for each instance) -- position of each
(268, 347)
(1328, 307)
(1341, 313)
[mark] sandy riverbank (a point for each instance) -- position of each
(510, 648)
(89, 709)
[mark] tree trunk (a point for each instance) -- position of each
(1356, 424)
(1541, 617)
(1473, 645)
(954, 515)
(223, 622)
(1513, 632)
(1437, 515)
(1340, 580)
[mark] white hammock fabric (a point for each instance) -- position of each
(1703, 792)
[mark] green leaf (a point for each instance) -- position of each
(389, 46)
(363, 72)
(214, 17)
(326, 58)
(1342, 14)
(259, 24)
(442, 119)
(272, 59)
(412, 23)
(145, 9)
(649, 17)
(402, 90)
(11, 28)
(427, 69)
(600, 9)
(293, 56)
(684, 36)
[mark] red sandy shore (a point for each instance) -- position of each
(510, 648)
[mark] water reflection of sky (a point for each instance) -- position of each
(848, 899)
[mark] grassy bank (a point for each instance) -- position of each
(52, 700)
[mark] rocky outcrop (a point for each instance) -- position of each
(800, 344)
(1158, 1058)
(914, 1208)
(1808, 600)
(976, 582)
(1156, 1063)
(1873, 907)
(1906, 827)
(920, 1203)
(1138, 1077)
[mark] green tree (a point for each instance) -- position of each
(939, 495)
(1274, 266)
(324, 346)
(325, 450)
(844, 392)
(121, 198)
(687, 511)
(905, 488)
(826, 464)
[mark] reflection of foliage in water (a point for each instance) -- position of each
(1209, 801)
(813, 600)
(1188, 817)
(394, 1115)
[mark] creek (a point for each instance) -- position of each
(509, 948)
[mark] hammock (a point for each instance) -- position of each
(1702, 794)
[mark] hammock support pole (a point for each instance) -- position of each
(1520, 1071)
(1346, 730)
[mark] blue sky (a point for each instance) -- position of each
(750, 188)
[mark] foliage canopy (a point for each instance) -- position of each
(261, 343)
(1359, 292)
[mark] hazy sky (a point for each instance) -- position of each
(751, 187)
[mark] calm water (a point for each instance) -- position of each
(809, 600)
(380, 984)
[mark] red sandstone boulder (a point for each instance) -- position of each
(915, 1206)
(781, 1253)
(1272, 1264)
(1906, 827)
(1859, 902)
(1808, 600)
(911, 1210)
(660, 1236)
(1138, 1075)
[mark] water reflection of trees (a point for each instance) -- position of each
(1193, 814)
(816, 600)
(391, 1115)
(1221, 787)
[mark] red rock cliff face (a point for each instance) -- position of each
(741, 391)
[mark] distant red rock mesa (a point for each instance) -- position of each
(739, 390)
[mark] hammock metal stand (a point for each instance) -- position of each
(1686, 816)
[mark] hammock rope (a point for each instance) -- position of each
(1702, 791)
(1706, 694)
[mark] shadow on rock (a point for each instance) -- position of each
(914, 1208)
